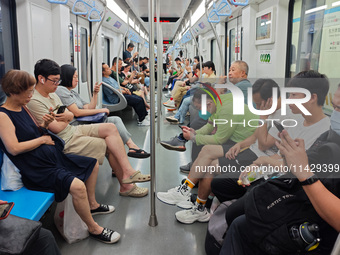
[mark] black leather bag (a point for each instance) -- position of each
(17, 234)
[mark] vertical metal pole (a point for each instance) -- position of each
(89, 90)
(153, 218)
(199, 55)
(159, 67)
(120, 48)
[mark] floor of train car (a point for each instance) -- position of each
(132, 214)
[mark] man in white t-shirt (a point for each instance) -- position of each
(309, 129)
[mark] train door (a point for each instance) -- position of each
(81, 35)
(234, 40)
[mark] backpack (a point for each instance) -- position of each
(217, 229)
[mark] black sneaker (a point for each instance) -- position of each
(103, 209)
(107, 236)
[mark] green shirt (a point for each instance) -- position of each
(223, 132)
(114, 76)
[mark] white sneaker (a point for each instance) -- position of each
(190, 216)
(172, 196)
(186, 204)
(170, 104)
(145, 122)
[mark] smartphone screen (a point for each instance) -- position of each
(278, 126)
(61, 109)
(5, 209)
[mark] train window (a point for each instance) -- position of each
(315, 39)
(70, 28)
(83, 53)
(232, 45)
(106, 51)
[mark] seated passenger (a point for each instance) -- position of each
(95, 140)
(43, 165)
(135, 101)
(309, 129)
(238, 74)
(133, 84)
(323, 194)
(223, 134)
(76, 105)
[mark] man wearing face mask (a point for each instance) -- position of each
(230, 129)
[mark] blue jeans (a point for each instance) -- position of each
(182, 111)
(147, 81)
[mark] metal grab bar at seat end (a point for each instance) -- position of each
(233, 2)
(57, 2)
(115, 107)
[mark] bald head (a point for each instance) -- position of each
(238, 71)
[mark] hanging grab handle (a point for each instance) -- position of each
(57, 2)
(224, 9)
(96, 11)
(234, 2)
(79, 13)
(213, 14)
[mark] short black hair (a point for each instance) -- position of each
(265, 88)
(66, 76)
(146, 58)
(178, 59)
(115, 60)
(198, 58)
(198, 66)
(131, 45)
(46, 67)
(313, 81)
(209, 64)
(199, 92)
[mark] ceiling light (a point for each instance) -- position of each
(335, 3)
(316, 9)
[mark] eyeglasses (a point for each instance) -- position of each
(335, 106)
(54, 82)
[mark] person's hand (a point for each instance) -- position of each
(188, 133)
(188, 87)
(3, 202)
(222, 80)
(246, 171)
(188, 68)
(266, 105)
(96, 88)
(105, 110)
(295, 155)
(233, 151)
(46, 139)
(67, 116)
(48, 118)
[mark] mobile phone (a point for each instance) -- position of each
(61, 109)
(5, 209)
(278, 126)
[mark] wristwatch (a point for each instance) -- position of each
(310, 180)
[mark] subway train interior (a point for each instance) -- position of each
(277, 39)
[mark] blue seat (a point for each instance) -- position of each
(29, 204)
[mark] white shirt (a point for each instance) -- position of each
(308, 133)
(275, 116)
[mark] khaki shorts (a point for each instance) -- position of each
(86, 142)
